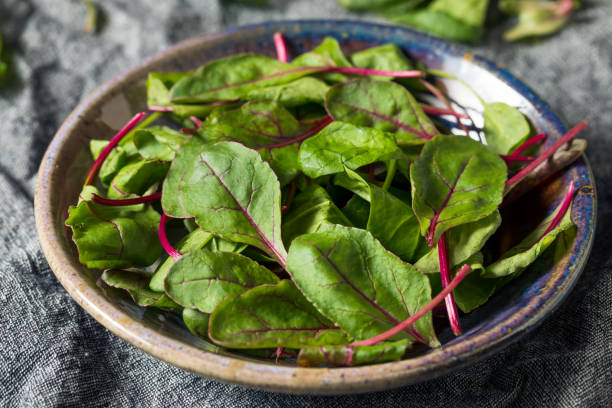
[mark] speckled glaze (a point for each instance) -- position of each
(516, 309)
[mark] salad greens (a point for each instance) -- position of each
(316, 211)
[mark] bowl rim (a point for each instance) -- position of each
(264, 375)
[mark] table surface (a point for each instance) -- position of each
(54, 354)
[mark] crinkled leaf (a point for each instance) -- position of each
(118, 158)
(202, 279)
(383, 105)
(456, 180)
(137, 285)
(312, 210)
(296, 93)
(272, 316)
(342, 144)
(505, 127)
(114, 237)
(346, 355)
(231, 192)
(196, 322)
(351, 278)
(462, 242)
(158, 142)
(522, 255)
(137, 178)
(326, 54)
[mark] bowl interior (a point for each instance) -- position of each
(520, 305)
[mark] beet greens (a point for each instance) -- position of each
(313, 210)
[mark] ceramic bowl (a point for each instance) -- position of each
(504, 319)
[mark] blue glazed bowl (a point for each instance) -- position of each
(511, 313)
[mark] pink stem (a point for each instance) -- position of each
(465, 269)
(564, 206)
(434, 110)
(160, 109)
(279, 350)
(128, 201)
(528, 143)
(451, 308)
(196, 121)
(440, 96)
(375, 72)
(281, 47)
(111, 145)
(514, 158)
(299, 138)
(164, 240)
(544, 156)
(563, 8)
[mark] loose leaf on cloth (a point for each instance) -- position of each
(114, 237)
(373, 5)
(505, 127)
(347, 355)
(312, 210)
(390, 219)
(272, 316)
(528, 250)
(137, 285)
(456, 180)
(196, 239)
(202, 278)
(537, 18)
(137, 178)
(296, 93)
(342, 144)
(158, 142)
(438, 23)
(231, 192)
(326, 54)
(383, 105)
(233, 77)
(350, 277)
(196, 322)
(462, 242)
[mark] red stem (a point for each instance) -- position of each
(435, 110)
(299, 138)
(161, 232)
(111, 145)
(364, 71)
(538, 138)
(196, 121)
(440, 96)
(160, 109)
(451, 308)
(128, 201)
(549, 152)
(514, 158)
(281, 47)
(465, 269)
(564, 206)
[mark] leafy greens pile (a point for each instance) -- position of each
(324, 210)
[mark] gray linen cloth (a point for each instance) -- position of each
(54, 354)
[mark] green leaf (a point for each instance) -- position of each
(118, 158)
(383, 105)
(529, 249)
(196, 239)
(357, 210)
(233, 77)
(114, 237)
(158, 142)
(537, 18)
(231, 192)
(387, 57)
(296, 93)
(272, 316)
(347, 355)
(505, 127)
(312, 210)
(462, 242)
(470, 12)
(196, 322)
(350, 277)
(342, 144)
(439, 23)
(137, 178)
(202, 279)
(3, 66)
(158, 94)
(456, 180)
(326, 54)
(372, 5)
(137, 285)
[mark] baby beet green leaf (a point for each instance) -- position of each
(383, 105)
(456, 180)
(387, 57)
(294, 94)
(347, 355)
(326, 54)
(137, 285)
(196, 322)
(202, 279)
(462, 241)
(231, 192)
(342, 144)
(136, 178)
(312, 211)
(114, 237)
(505, 128)
(158, 143)
(350, 277)
(272, 316)
(530, 248)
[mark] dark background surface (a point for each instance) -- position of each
(53, 353)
